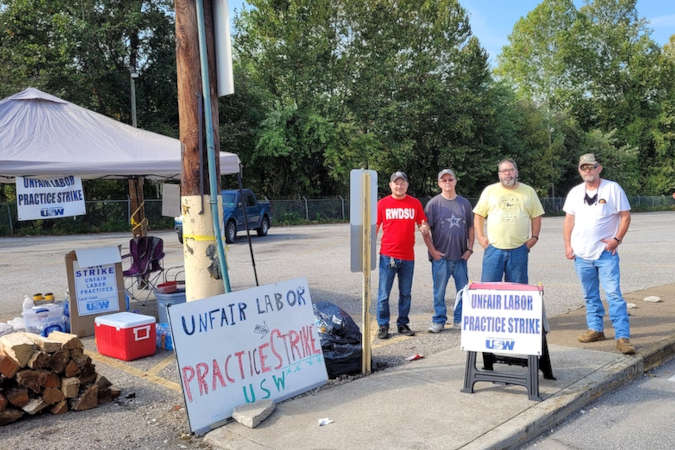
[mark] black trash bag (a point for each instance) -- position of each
(340, 339)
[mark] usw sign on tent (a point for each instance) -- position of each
(49, 198)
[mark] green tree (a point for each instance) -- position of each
(83, 51)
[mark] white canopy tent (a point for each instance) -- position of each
(42, 135)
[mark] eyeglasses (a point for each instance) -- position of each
(507, 170)
(587, 168)
(447, 181)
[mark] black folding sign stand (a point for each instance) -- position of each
(530, 379)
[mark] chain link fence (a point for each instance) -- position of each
(113, 215)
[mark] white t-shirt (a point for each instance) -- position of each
(593, 223)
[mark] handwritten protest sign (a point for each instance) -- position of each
(240, 347)
(503, 318)
(49, 198)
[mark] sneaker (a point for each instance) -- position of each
(436, 327)
(591, 336)
(624, 346)
(405, 330)
(383, 332)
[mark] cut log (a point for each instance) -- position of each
(76, 353)
(45, 344)
(104, 396)
(87, 374)
(81, 360)
(8, 366)
(114, 393)
(39, 360)
(58, 361)
(10, 415)
(34, 406)
(102, 382)
(17, 396)
(60, 407)
(52, 395)
(72, 369)
(49, 379)
(18, 346)
(30, 379)
(70, 387)
(88, 399)
(68, 341)
(3, 402)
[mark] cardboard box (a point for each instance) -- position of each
(125, 335)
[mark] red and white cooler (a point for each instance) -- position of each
(125, 335)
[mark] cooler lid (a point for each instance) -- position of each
(124, 320)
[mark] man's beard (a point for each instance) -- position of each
(509, 182)
(590, 178)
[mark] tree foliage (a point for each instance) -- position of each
(326, 86)
(599, 66)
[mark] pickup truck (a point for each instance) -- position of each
(233, 215)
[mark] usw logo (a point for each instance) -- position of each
(51, 212)
(499, 344)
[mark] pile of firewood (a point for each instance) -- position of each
(52, 374)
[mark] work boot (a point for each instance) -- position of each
(624, 346)
(591, 336)
(383, 332)
(405, 330)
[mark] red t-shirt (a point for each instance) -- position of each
(397, 219)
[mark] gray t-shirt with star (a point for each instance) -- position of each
(450, 221)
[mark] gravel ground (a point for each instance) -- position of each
(153, 416)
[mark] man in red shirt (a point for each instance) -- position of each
(397, 214)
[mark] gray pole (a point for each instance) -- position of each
(132, 77)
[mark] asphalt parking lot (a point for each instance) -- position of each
(150, 410)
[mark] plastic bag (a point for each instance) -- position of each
(340, 339)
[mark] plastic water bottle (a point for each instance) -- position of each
(27, 303)
(66, 313)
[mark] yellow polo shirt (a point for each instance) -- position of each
(509, 214)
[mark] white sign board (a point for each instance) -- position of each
(171, 200)
(49, 198)
(505, 319)
(95, 289)
(245, 346)
(356, 190)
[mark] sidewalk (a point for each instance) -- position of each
(420, 404)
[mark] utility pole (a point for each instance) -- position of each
(202, 274)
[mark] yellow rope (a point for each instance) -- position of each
(143, 224)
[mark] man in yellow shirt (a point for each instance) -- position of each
(513, 213)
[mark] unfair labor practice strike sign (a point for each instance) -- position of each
(49, 198)
(245, 346)
(502, 318)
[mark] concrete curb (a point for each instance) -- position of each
(544, 415)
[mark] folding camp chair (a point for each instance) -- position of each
(146, 253)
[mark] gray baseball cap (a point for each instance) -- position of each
(398, 174)
(446, 172)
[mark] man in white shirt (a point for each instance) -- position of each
(596, 221)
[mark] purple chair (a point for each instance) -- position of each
(146, 255)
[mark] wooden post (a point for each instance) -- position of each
(198, 234)
(365, 261)
(139, 223)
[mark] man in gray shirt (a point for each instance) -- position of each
(450, 245)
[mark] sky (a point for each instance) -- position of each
(492, 20)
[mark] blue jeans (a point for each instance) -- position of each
(505, 265)
(605, 271)
(389, 268)
(441, 271)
